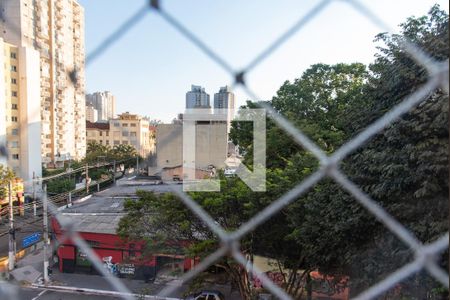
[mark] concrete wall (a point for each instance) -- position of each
(3, 102)
(30, 118)
(210, 147)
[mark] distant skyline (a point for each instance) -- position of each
(151, 68)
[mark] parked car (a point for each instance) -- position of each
(206, 295)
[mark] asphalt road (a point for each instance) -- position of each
(24, 293)
(25, 226)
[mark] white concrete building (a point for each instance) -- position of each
(210, 149)
(91, 113)
(56, 29)
(20, 122)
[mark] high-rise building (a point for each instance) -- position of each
(197, 98)
(20, 123)
(104, 103)
(91, 113)
(224, 104)
(56, 30)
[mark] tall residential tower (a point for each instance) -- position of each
(224, 104)
(55, 28)
(197, 98)
(104, 103)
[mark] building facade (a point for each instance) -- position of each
(197, 98)
(91, 113)
(126, 129)
(210, 149)
(56, 30)
(224, 104)
(104, 103)
(20, 123)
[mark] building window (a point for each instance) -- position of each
(13, 69)
(125, 133)
(133, 124)
(100, 133)
(107, 133)
(125, 125)
(14, 144)
(13, 106)
(125, 142)
(116, 124)
(107, 142)
(14, 93)
(13, 55)
(14, 119)
(116, 142)
(13, 81)
(133, 133)
(15, 156)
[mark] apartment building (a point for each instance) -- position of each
(55, 28)
(197, 98)
(104, 103)
(128, 129)
(91, 113)
(224, 104)
(20, 123)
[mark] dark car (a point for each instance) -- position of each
(206, 295)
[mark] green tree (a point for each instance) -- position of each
(404, 168)
(6, 175)
(167, 224)
(96, 152)
(60, 185)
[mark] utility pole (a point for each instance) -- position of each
(11, 254)
(114, 172)
(86, 178)
(34, 194)
(69, 199)
(137, 165)
(45, 218)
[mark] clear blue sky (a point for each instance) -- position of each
(152, 66)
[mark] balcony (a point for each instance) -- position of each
(59, 4)
(45, 53)
(59, 24)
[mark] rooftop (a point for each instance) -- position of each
(102, 212)
(97, 125)
(95, 223)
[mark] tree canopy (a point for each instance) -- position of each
(404, 168)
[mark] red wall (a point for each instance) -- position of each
(109, 245)
(103, 245)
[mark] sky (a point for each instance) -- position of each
(152, 66)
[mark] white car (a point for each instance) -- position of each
(206, 295)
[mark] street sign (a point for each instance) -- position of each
(31, 239)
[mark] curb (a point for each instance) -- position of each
(69, 289)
